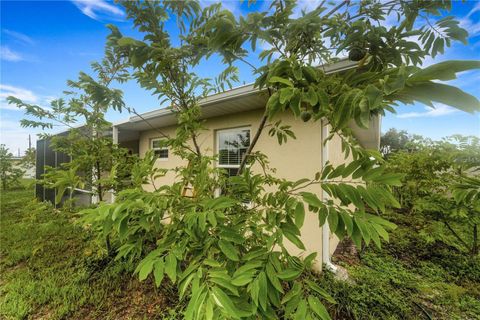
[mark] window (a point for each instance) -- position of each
(159, 148)
(232, 146)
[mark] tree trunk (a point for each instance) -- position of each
(253, 143)
(455, 234)
(108, 245)
(99, 185)
(475, 240)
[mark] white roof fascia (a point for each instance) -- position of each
(237, 92)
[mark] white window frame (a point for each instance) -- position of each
(217, 136)
(162, 148)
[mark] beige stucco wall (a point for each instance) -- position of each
(299, 158)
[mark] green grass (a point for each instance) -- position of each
(51, 268)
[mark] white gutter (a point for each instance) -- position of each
(325, 228)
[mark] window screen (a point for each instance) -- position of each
(159, 149)
(232, 147)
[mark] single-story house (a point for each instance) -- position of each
(231, 118)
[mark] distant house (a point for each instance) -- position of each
(231, 118)
(29, 170)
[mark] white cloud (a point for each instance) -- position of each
(99, 9)
(21, 93)
(23, 38)
(470, 23)
(475, 9)
(9, 55)
(14, 136)
(438, 111)
(26, 95)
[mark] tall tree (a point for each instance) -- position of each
(10, 174)
(229, 259)
(89, 146)
(394, 140)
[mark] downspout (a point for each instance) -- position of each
(325, 228)
(115, 141)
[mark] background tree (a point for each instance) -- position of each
(438, 186)
(90, 147)
(394, 140)
(10, 173)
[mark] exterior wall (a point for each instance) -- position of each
(336, 158)
(294, 160)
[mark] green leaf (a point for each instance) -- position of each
(247, 267)
(444, 71)
(347, 221)
(332, 219)
(285, 95)
(271, 275)
(295, 291)
(363, 229)
(391, 179)
(220, 203)
(301, 313)
(293, 239)
(322, 98)
(312, 199)
(254, 291)
(263, 289)
(243, 279)
(171, 267)
(158, 273)
(184, 285)
(146, 269)
(209, 310)
(311, 96)
(228, 250)
(315, 287)
(232, 236)
(299, 215)
(289, 274)
(374, 96)
(225, 284)
(276, 79)
(429, 92)
(127, 41)
(318, 308)
(224, 302)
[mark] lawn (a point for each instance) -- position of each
(51, 268)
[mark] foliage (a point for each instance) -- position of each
(61, 180)
(227, 254)
(394, 140)
(52, 268)
(10, 174)
(441, 181)
(29, 159)
(408, 278)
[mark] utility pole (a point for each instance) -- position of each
(29, 142)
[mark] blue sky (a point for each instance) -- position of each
(44, 43)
